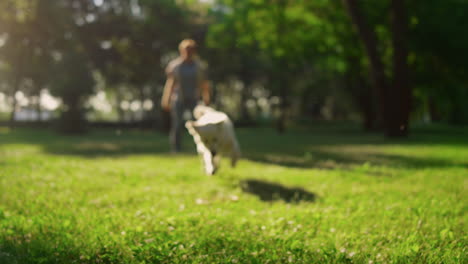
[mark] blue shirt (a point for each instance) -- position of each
(187, 76)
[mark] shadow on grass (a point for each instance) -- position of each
(329, 160)
(270, 192)
(46, 251)
(320, 147)
(334, 149)
(19, 252)
(100, 143)
(93, 149)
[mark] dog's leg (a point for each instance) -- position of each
(216, 161)
(234, 159)
(208, 161)
(235, 153)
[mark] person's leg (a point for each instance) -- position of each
(191, 104)
(176, 126)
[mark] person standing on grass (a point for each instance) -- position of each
(185, 84)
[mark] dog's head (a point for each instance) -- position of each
(201, 110)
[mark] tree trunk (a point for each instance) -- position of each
(281, 125)
(244, 113)
(118, 102)
(434, 114)
(16, 86)
(395, 103)
(363, 94)
(39, 108)
(369, 39)
(401, 93)
(38, 102)
(282, 68)
(72, 120)
(144, 113)
(366, 105)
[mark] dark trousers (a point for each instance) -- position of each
(179, 107)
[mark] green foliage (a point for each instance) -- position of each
(119, 198)
(74, 79)
(309, 47)
(73, 83)
(439, 57)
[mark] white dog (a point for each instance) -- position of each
(213, 132)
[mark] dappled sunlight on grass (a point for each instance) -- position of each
(122, 198)
(331, 150)
(87, 147)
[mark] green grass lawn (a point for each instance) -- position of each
(326, 194)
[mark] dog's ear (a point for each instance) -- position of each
(200, 110)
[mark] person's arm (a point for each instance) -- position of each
(168, 89)
(204, 89)
(205, 92)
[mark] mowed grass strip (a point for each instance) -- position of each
(327, 194)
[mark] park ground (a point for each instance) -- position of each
(322, 194)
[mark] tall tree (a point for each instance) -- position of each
(395, 95)
(74, 83)
(400, 96)
(438, 59)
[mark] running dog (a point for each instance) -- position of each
(213, 133)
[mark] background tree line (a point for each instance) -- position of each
(383, 63)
